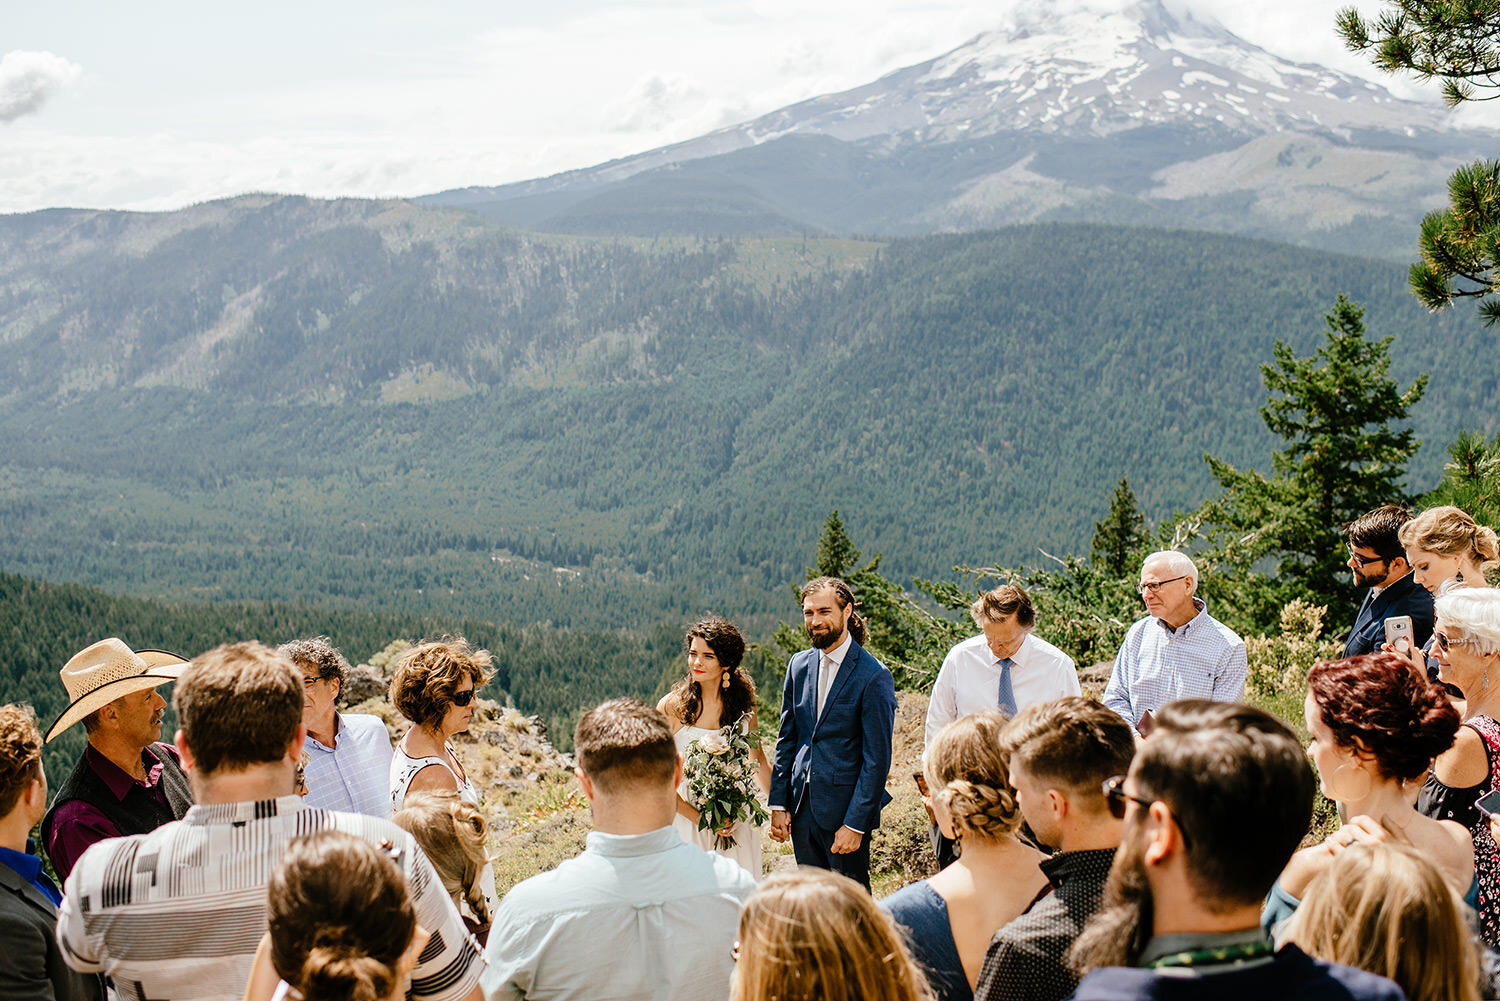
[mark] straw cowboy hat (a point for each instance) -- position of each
(103, 672)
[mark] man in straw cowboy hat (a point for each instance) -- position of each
(126, 781)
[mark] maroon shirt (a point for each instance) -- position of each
(79, 824)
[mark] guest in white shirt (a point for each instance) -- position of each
(1005, 667)
(348, 755)
(640, 913)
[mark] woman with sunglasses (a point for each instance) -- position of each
(434, 687)
(1376, 725)
(1467, 645)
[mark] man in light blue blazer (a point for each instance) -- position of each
(833, 755)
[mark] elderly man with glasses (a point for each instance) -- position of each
(1178, 651)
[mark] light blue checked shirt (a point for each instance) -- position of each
(355, 777)
(1203, 659)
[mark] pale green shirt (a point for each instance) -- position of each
(637, 917)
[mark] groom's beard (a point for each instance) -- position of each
(1118, 934)
(824, 638)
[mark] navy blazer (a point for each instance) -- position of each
(31, 966)
(837, 765)
(1405, 597)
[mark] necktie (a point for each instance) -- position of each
(1007, 700)
(825, 678)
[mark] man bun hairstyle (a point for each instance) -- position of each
(1001, 603)
(623, 743)
(340, 918)
(20, 755)
(238, 705)
(1376, 704)
(1240, 787)
(845, 598)
(967, 767)
(1073, 743)
(1380, 530)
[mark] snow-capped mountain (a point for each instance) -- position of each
(1136, 115)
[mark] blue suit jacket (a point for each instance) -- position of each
(1405, 597)
(836, 766)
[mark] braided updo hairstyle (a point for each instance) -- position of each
(340, 919)
(968, 769)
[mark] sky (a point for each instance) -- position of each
(160, 104)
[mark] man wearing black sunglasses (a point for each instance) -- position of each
(1215, 802)
(1378, 562)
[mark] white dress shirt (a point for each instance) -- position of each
(829, 662)
(969, 680)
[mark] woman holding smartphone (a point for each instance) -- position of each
(1467, 645)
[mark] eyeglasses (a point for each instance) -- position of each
(463, 698)
(1156, 585)
(1365, 561)
(1116, 796)
(309, 682)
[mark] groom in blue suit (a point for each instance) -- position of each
(833, 755)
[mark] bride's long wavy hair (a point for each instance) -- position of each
(729, 647)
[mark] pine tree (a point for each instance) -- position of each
(1335, 410)
(1120, 537)
(1458, 43)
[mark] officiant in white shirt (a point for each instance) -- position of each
(1006, 667)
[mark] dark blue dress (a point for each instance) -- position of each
(923, 916)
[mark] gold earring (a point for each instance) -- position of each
(726, 680)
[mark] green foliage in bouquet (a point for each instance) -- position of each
(720, 777)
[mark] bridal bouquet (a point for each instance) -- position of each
(720, 777)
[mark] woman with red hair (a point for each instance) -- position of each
(1376, 727)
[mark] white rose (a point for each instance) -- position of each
(714, 743)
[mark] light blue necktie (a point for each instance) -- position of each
(1007, 693)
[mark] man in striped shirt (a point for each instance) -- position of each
(178, 913)
(1178, 651)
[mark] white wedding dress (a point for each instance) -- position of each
(747, 837)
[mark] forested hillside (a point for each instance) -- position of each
(370, 406)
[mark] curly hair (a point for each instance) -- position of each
(729, 649)
(20, 755)
(317, 654)
(967, 767)
(426, 677)
(340, 918)
(1376, 704)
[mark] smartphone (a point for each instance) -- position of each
(1398, 633)
(1489, 803)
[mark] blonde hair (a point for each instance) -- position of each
(1386, 909)
(968, 768)
(814, 935)
(1448, 531)
(452, 833)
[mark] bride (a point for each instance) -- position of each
(716, 693)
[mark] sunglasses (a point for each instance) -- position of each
(463, 698)
(1116, 796)
(1365, 561)
(1444, 641)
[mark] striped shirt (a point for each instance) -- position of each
(355, 775)
(1203, 659)
(178, 913)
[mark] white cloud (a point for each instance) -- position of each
(28, 80)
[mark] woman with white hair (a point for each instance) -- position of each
(1466, 643)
